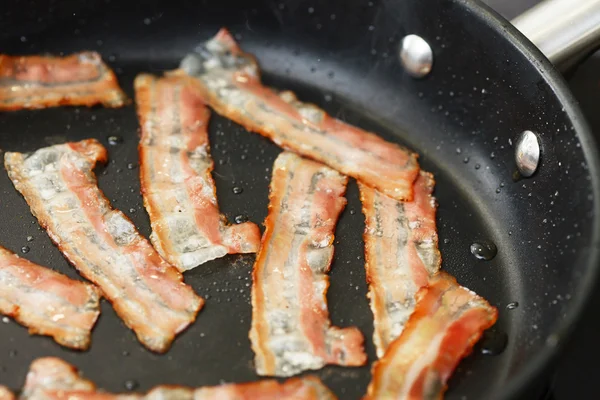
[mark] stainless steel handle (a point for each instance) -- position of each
(564, 30)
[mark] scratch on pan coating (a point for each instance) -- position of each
(61, 189)
(55, 379)
(47, 302)
(291, 331)
(401, 253)
(229, 80)
(448, 320)
(175, 172)
(81, 79)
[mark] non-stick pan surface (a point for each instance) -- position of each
(488, 84)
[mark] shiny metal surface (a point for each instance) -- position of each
(416, 56)
(564, 30)
(527, 153)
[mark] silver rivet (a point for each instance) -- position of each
(416, 56)
(527, 153)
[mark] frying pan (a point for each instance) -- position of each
(487, 85)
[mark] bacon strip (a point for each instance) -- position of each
(448, 320)
(291, 331)
(229, 80)
(401, 253)
(175, 172)
(53, 378)
(81, 79)
(51, 373)
(62, 192)
(47, 302)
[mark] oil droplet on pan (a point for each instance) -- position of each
(484, 250)
(114, 140)
(131, 385)
(239, 219)
(493, 343)
(512, 306)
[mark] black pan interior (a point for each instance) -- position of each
(342, 55)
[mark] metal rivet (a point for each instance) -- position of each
(416, 56)
(527, 153)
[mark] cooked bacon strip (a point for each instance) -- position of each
(291, 331)
(448, 320)
(53, 378)
(47, 302)
(6, 394)
(229, 80)
(401, 253)
(61, 189)
(81, 79)
(175, 172)
(51, 373)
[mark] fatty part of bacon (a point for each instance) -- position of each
(229, 80)
(47, 302)
(401, 253)
(447, 322)
(53, 374)
(61, 189)
(6, 394)
(175, 172)
(53, 378)
(81, 79)
(291, 331)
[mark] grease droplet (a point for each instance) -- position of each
(484, 250)
(131, 385)
(237, 190)
(131, 166)
(25, 249)
(114, 140)
(240, 219)
(512, 306)
(30, 238)
(493, 343)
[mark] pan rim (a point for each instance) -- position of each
(543, 360)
